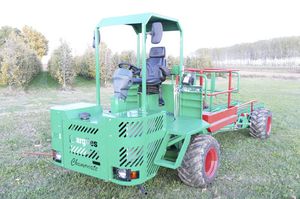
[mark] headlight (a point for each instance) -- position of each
(125, 174)
(122, 173)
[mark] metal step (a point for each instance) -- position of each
(159, 159)
(166, 163)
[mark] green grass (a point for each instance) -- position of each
(43, 81)
(81, 82)
(250, 168)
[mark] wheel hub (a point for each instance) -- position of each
(211, 162)
(269, 124)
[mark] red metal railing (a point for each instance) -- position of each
(229, 90)
(251, 104)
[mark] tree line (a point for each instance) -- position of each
(64, 67)
(21, 52)
(256, 53)
(109, 60)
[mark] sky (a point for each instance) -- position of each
(206, 24)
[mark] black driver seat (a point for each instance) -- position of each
(157, 70)
(156, 74)
(156, 66)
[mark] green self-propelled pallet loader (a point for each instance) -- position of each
(158, 117)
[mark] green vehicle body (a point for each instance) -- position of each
(137, 134)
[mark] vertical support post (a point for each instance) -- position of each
(202, 101)
(181, 56)
(177, 79)
(205, 88)
(138, 58)
(229, 88)
(238, 81)
(144, 74)
(201, 78)
(97, 57)
(212, 89)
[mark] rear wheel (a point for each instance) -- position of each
(201, 161)
(260, 123)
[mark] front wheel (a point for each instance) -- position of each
(201, 161)
(260, 123)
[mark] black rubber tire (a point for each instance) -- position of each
(192, 170)
(260, 123)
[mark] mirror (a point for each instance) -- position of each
(156, 32)
(94, 39)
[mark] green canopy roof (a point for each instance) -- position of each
(169, 24)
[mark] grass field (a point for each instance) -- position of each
(250, 168)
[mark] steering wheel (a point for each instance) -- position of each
(131, 67)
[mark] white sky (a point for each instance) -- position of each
(210, 23)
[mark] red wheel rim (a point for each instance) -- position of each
(269, 125)
(211, 162)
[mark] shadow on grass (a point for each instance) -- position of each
(234, 136)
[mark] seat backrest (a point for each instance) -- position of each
(157, 55)
(155, 61)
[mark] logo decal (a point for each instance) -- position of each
(75, 162)
(85, 142)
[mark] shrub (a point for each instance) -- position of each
(61, 65)
(86, 67)
(6, 31)
(18, 63)
(36, 40)
(85, 64)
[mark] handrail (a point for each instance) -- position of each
(212, 72)
(238, 81)
(221, 92)
(251, 102)
(205, 83)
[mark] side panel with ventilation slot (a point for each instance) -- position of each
(131, 157)
(152, 151)
(138, 142)
(82, 144)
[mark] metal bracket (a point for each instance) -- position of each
(142, 189)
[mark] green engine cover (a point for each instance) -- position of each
(126, 140)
